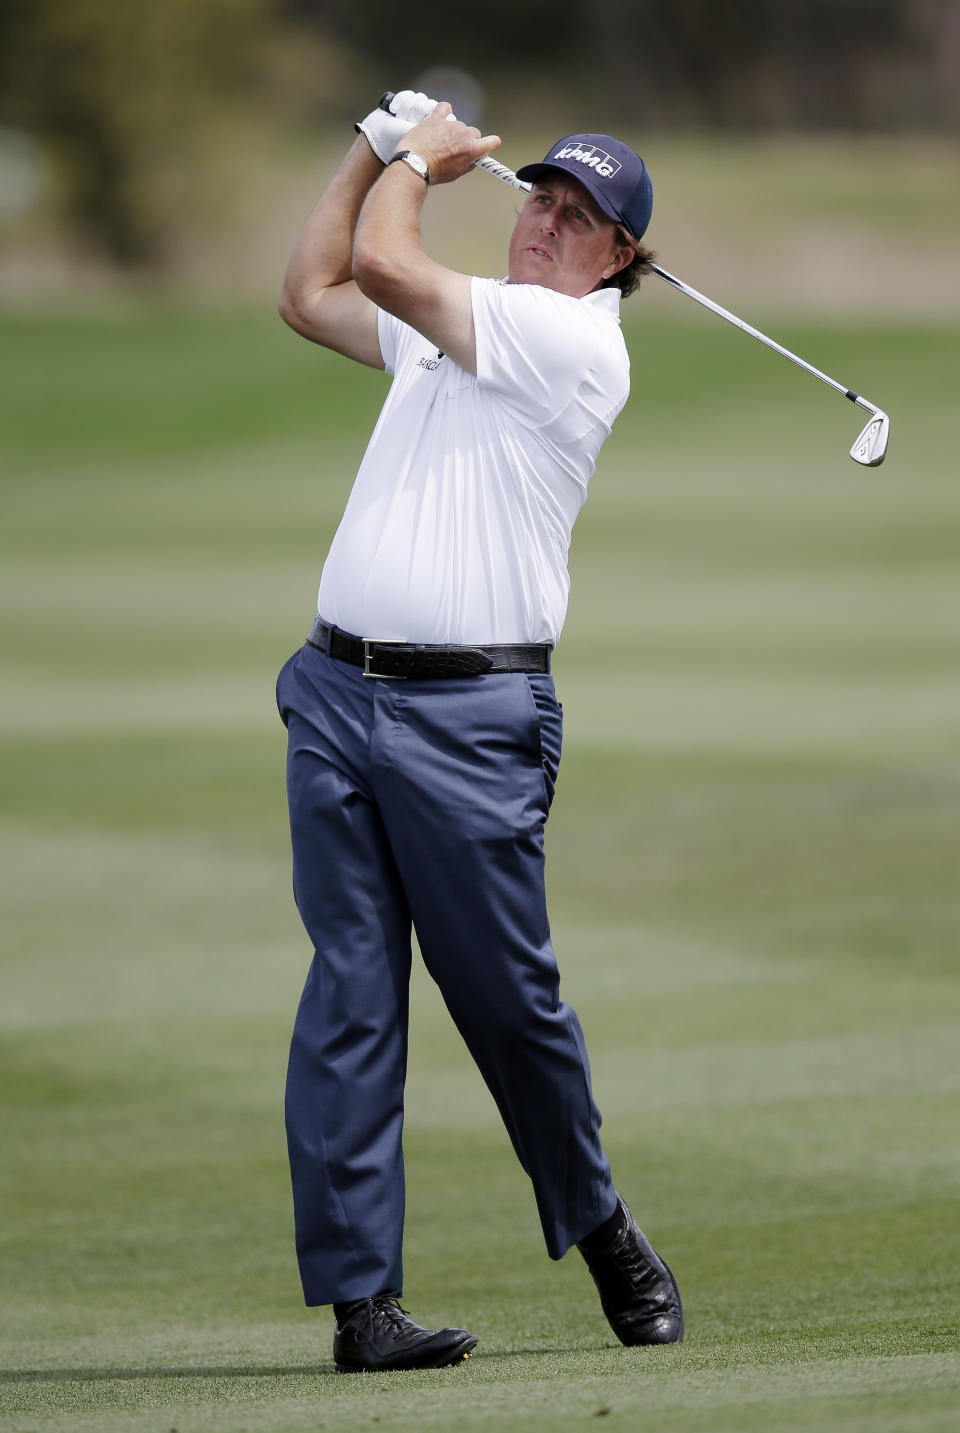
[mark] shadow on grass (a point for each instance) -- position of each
(96, 1375)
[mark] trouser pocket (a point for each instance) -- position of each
(282, 680)
(550, 722)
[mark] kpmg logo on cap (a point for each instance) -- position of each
(588, 154)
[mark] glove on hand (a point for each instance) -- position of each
(383, 129)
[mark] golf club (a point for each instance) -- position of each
(869, 447)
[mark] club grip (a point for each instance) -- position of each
(386, 100)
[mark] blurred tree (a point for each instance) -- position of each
(120, 92)
(802, 63)
(813, 63)
(502, 33)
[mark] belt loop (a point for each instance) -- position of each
(329, 639)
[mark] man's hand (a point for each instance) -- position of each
(449, 147)
(383, 129)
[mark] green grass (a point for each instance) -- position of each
(753, 867)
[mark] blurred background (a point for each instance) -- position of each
(176, 145)
(753, 858)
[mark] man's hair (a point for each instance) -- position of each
(627, 279)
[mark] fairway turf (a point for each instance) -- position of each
(753, 872)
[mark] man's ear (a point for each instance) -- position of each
(622, 256)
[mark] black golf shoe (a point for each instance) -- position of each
(638, 1293)
(377, 1335)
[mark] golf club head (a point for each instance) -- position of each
(870, 448)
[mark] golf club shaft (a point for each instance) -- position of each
(500, 171)
(740, 323)
(870, 446)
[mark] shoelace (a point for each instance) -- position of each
(634, 1264)
(387, 1311)
(639, 1270)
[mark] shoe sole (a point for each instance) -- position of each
(456, 1355)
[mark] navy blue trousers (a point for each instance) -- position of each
(424, 803)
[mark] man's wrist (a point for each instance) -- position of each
(413, 161)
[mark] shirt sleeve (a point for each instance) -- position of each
(388, 332)
(536, 349)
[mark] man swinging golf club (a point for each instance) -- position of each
(424, 732)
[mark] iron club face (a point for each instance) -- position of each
(870, 448)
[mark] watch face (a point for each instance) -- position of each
(417, 162)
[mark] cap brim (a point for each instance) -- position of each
(530, 173)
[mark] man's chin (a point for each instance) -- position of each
(541, 274)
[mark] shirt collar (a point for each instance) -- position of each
(608, 298)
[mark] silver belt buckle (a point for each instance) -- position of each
(369, 642)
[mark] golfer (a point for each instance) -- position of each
(424, 731)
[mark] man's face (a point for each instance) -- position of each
(562, 240)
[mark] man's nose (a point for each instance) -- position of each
(548, 221)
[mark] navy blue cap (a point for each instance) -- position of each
(609, 170)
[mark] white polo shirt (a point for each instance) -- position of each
(458, 525)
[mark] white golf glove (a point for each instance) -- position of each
(384, 128)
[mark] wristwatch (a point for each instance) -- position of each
(416, 162)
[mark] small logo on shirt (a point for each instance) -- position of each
(431, 363)
(592, 157)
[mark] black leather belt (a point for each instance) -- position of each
(382, 657)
